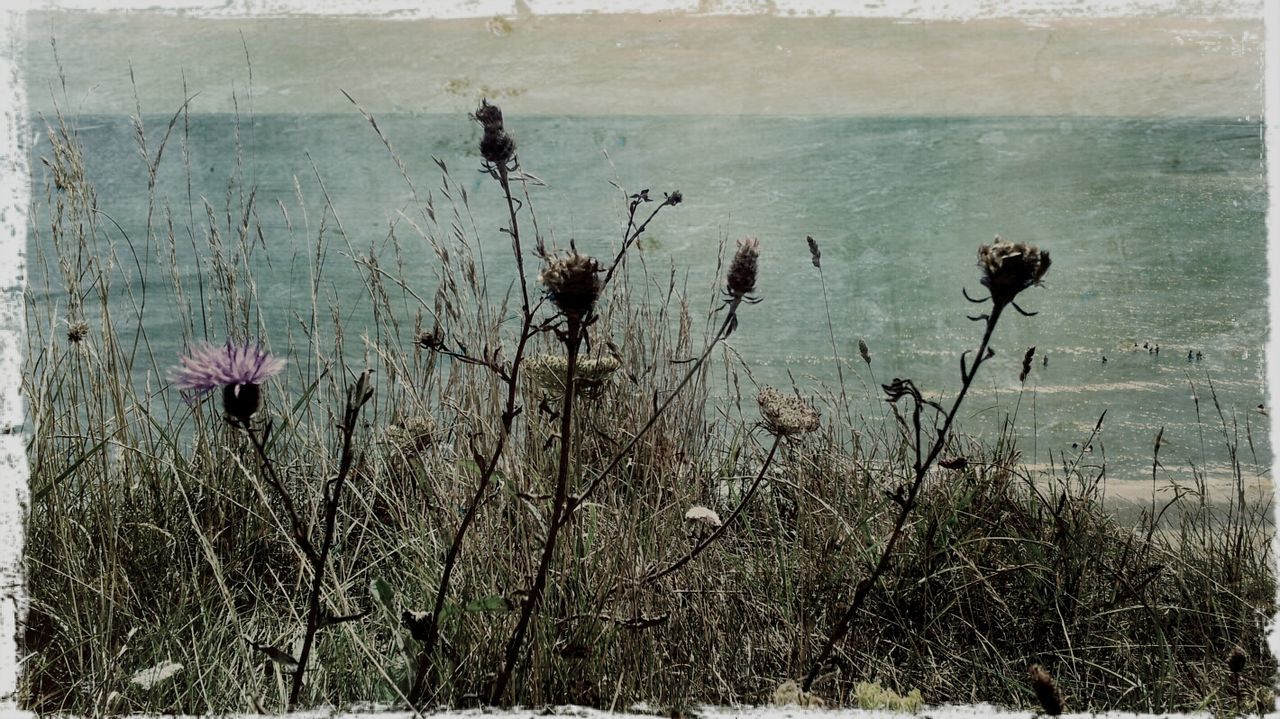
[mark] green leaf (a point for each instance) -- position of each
(491, 603)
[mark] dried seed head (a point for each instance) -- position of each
(77, 332)
(864, 351)
(432, 341)
(551, 372)
(785, 415)
(572, 284)
(497, 146)
(703, 515)
(1008, 268)
(1026, 363)
(815, 254)
(1236, 660)
(1046, 691)
(675, 198)
(742, 271)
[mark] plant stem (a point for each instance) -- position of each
(356, 398)
(725, 329)
(488, 470)
(906, 505)
(559, 507)
(773, 448)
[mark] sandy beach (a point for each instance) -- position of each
(653, 64)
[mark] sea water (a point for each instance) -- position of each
(1156, 228)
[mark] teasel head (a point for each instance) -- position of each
(742, 271)
(1009, 268)
(1046, 691)
(572, 284)
(786, 415)
(496, 146)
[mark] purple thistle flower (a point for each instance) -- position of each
(237, 369)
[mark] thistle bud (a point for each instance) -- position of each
(497, 147)
(1008, 268)
(742, 271)
(1046, 691)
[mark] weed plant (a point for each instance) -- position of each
(541, 503)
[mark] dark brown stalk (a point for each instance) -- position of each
(726, 327)
(357, 396)
(907, 503)
(486, 472)
(773, 448)
(299, 530)
(558, 508)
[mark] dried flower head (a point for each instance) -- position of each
(238, 369)
(864, 351)
(496, 146)
(675, 198)
(703, 515)
(551, 372)
(77, 331)
(785, 415)
(1236, 660)
(1046, 691)
(572, 284)
(1009, 268)
(742, 271)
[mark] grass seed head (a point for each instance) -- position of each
(1009, 268)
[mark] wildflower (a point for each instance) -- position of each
(77, 331)
(497, 147)
(785, 415)
(1046, 691)
(572, 284)
(742, 271)
(1008, 268)
(238, 369)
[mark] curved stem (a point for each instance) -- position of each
(922, 468)
(618, 456)
(558, 508)
(724, 525)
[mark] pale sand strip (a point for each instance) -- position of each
(658, 64)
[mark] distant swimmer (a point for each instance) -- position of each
(1104, 359)
(1199, 356)
(1044, 361)
(1190, 356)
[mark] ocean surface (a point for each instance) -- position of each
(1156, 229)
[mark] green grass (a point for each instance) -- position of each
(153, 536)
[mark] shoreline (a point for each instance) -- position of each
(671, 64)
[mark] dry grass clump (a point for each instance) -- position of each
(507, 541)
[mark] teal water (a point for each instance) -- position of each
(1156, 229)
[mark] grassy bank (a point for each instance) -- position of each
(505, 516)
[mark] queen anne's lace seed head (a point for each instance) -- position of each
(786, 415)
